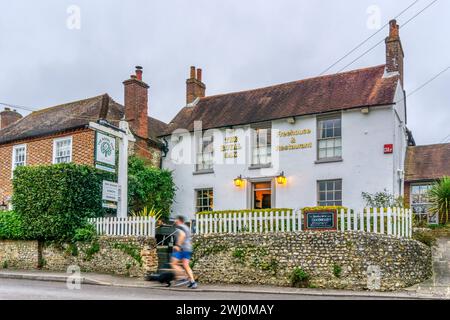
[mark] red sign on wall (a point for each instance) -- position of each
(388, 148)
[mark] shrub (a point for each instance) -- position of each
(53, 201)
(427, 237)
(87, 233)
(382, 200)
(299, 278)
(11, 226)
(149, 187)
(439, 196)
(337, 270)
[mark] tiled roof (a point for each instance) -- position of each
(70, 116)
(429, 162)
(358, 88)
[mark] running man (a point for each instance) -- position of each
(182, 251)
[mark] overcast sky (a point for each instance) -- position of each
(239, 44)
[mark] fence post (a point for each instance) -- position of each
(299, 217)
(403, 222)
(389, 221)
(410, 222)
(355, 220)
(382, 220)
(342, 221)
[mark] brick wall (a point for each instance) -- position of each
(40, 152)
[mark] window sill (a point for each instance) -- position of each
(331, 160)
(197, 173)
(257, 167)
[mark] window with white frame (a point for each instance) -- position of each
(204, 200)
(205, 153)
(62, 150)
(19, 157)
(330, 192)
(329, 138)
(261, 144)
(420, 202)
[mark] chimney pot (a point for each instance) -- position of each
(199, 74)
(393, 29)
(139, 72)
(192, 72)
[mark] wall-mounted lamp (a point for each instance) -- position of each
(239, 182)
(281, 179)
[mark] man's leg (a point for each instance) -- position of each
(175, 263)
(188, 269)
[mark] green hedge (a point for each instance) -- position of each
(53, 201)
(11, 226)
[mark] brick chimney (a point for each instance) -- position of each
(394, 50)
(8, 117)
(195, 88)
(136, 104)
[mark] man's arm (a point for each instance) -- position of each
(180, 240)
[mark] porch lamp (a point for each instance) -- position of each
(281, 179)
(238, 182)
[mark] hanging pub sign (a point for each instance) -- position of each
(105, 152)
(324, 220)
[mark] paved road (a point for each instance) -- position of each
(31, 289)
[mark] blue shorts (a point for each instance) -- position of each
(180, 255)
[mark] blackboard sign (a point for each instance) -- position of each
(321, 220)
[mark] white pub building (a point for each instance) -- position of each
(315, 142)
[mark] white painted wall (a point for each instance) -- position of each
(365, 167)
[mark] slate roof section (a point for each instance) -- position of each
(71, 116)
(428, 162)
(354, 89)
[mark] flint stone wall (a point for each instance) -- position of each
(333, 260)
(130, 256)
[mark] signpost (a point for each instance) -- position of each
(325, 220)
(107, 138)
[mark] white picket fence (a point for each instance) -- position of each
(391, 221)
(123, 227)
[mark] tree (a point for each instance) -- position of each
(149, 187)
(439, 196)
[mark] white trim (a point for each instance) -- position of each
(55, 141)
(15, 148)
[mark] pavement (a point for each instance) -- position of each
(137, 285)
